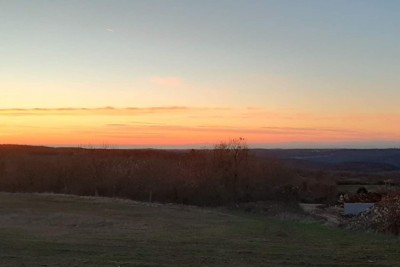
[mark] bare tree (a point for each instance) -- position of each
(230, 157)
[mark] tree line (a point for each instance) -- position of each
(227, 174)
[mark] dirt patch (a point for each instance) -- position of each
(331, 215)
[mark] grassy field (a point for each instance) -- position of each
(53, 230)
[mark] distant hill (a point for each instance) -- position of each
(353, 160)
(357, 160)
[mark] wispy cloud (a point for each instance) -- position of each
(170, 81)
(267, 132)
(109, 30)
(88, 111)
(180, 124)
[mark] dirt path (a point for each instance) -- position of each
(332, 215)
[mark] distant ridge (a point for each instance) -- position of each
(358, 160)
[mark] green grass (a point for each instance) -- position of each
(50, 230)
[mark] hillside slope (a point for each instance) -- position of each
(54, 230)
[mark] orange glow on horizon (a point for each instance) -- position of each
(176, 126)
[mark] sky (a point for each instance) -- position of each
(177, 73)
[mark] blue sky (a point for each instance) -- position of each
(333, 58)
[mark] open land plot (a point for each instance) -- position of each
(58, 230)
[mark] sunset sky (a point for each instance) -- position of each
(178, 73)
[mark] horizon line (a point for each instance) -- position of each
(286, 146)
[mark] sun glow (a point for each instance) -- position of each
(177, 126)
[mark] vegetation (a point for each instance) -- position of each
(225, 175)
(62, 230)
(59, 230)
